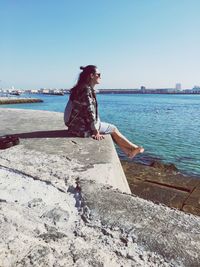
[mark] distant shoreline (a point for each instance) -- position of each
(149, 93)
(62, 92)
(129, 91)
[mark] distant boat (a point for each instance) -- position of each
(54, 93)
(15, 93)
(58, 93)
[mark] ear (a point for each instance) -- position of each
(91, 75)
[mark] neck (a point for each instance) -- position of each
(92, 84)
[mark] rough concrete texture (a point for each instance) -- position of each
(168, 232)
(46, 221)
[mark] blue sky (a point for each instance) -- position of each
(155, 43)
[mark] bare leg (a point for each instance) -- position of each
(130, 149)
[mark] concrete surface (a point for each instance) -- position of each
(46, 221)
(45, 131)
(168, 232)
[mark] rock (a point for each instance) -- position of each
(164, 167)
(161, 184)
(56, 215)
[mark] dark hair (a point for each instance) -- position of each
(84, 78)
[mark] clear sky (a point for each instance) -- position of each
(155, 43)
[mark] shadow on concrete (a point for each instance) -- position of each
(44, 134)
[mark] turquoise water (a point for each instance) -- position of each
(168, 126)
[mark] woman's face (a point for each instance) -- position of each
(96, 77)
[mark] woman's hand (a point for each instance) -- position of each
(97, 136)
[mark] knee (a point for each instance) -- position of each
(115, 130)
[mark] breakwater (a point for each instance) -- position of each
(60, 205)
(164, 183)
(10, 100)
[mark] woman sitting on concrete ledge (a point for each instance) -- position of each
(81, 113)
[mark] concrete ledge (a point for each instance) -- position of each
(45, 131)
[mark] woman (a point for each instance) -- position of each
(84, 119)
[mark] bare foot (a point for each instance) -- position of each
(134, 151)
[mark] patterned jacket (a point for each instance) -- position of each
(84, 117)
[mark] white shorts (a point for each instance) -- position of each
(106, 128)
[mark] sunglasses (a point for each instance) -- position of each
(98, 74)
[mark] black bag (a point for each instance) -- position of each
(8, 141)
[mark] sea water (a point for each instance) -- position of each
(167, 126)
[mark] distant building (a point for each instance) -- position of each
(165, 91)
(196, 89)
(46, 91)
(33, 91)
(143, 89)
(178, 86)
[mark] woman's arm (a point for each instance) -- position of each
(91, 114)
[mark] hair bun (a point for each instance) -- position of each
(82, 68)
